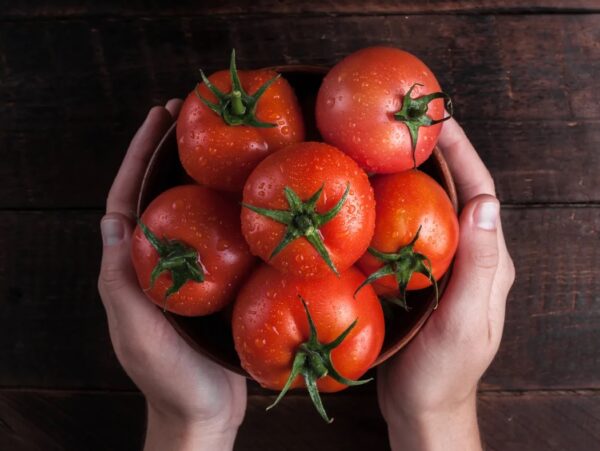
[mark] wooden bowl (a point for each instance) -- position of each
(211, 335)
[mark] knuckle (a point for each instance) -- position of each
(485, 257)
(111, 279)
(157, 109)
(490, 181)
(511, 272)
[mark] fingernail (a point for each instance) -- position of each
(112, 231)
(486, 215)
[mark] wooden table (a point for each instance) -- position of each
(75, 80)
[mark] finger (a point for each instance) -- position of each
(117, 284)
(173, 106)
(505, 276)
(470, 174)
(466, 300)
(122, 197)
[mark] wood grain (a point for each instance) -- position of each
(46, 420)
(77, 78)
(48, 285)
(70, 8)
(551, 162)
(525, 88)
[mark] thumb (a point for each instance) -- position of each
(115, 271)
(121, 295)
(117, 283)
(468, 292)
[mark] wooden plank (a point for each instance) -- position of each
(566, 421)
(553, 162)
(116, 67)
(53, 323)
(551, 331)
(34, 420)
(53, 421)
(49, 264)
(68, 114)
(68, 8)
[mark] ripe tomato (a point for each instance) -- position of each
(416, 233)
(309, 210)
(382, 106)
(189, 241)
(222, 137)
(273, 336)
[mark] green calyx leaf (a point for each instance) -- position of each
(414, 113)
(179, 259)
(236, 107)
(302, 220)
(313, 361)
(402, 265)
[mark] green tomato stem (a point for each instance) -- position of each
(237, 106)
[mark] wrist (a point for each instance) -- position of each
(452, 427)
(167, 432)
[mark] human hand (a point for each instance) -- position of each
(193, 403)
(427, 393)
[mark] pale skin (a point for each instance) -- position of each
(426, 393)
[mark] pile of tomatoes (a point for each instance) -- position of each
(338, 226)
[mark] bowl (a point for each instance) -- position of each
(211, 335)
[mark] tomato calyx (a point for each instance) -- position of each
(236, 107)
(402, 264)
(414, 113)
(313, 361)
(175, 257)
(303, 221)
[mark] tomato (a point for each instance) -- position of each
(272, 333)
(221, 139)
(383, 107)
(309, 210)
(416, 233)
(189, 238)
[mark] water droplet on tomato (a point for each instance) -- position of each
(330, 102)
(223, 245)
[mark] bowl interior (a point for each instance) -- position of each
(211, 335)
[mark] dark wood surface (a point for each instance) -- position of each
(77, 77)
(57, 420)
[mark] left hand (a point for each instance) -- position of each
(427, 392)
(192, 402)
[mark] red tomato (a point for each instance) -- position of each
(201, 256)
(369, 102)
(220, 155)
(408, 203)
(309, 210)
(270, 326)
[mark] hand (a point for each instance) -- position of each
(427, 393)
(193, 403)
